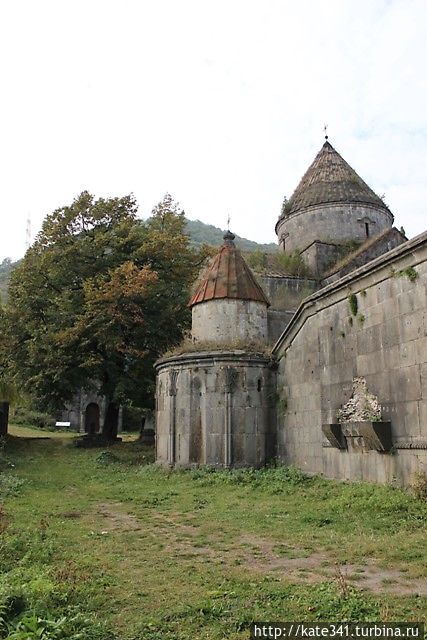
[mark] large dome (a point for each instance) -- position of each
(331, 205)
(330, 179)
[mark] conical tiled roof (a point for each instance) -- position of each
(228, 276)
(329, 179)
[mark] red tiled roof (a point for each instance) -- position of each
(228, 276)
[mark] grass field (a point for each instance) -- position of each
(105, 545)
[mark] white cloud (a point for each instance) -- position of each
(220, 103)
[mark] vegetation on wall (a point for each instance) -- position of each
(361, 319)
(189, 346)
(354, 309)
(285, 208)
(409, 272)
(282, 404)
(291, 264)
(352, 303)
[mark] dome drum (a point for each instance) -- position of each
(229, 321)
(335, 223)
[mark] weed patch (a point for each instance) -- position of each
(10, 485)
(420, 485)
(274, 479)
(106, 458)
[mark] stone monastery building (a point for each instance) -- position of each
(326, 372)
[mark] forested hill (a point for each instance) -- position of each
(201, 233)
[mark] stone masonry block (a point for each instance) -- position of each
(390, 332)
(420, 349)
(412, 300)
(370, 363)
(369, 340)
(411, 326)
(422, 415)
(408, 353)
(405, 384)
(373, 316)
(391, 357)
(379, 385)
(411, 418)
(423, 379)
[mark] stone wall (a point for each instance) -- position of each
(285, 294)
(276, 322)
(334, 223)
(227, 320)
(320, 256)
(215, 409)
(329, 342)
(378, 246)
(74, 412)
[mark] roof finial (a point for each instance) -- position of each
(325, 129)
(228, 236)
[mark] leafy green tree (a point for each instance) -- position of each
(292, 263)
(8, 390)
(98, 298)
(6, 267)
(257, 259)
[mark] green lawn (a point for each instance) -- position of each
(126, 550)
(32, 432)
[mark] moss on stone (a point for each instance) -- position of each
(352, 302)
(409, 272)
(188, 346)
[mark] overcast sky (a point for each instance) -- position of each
(219, 102)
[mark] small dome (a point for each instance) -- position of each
(329, 179)
(228, 276)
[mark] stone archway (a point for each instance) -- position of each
(92, 418)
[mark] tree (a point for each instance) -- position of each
(6, 267)
(97, 299)
(8, 391)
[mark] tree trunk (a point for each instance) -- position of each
(111, 422)
(4, 418)
(141, 430)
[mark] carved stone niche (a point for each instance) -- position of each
(359, 436)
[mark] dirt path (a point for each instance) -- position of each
(256, 554)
